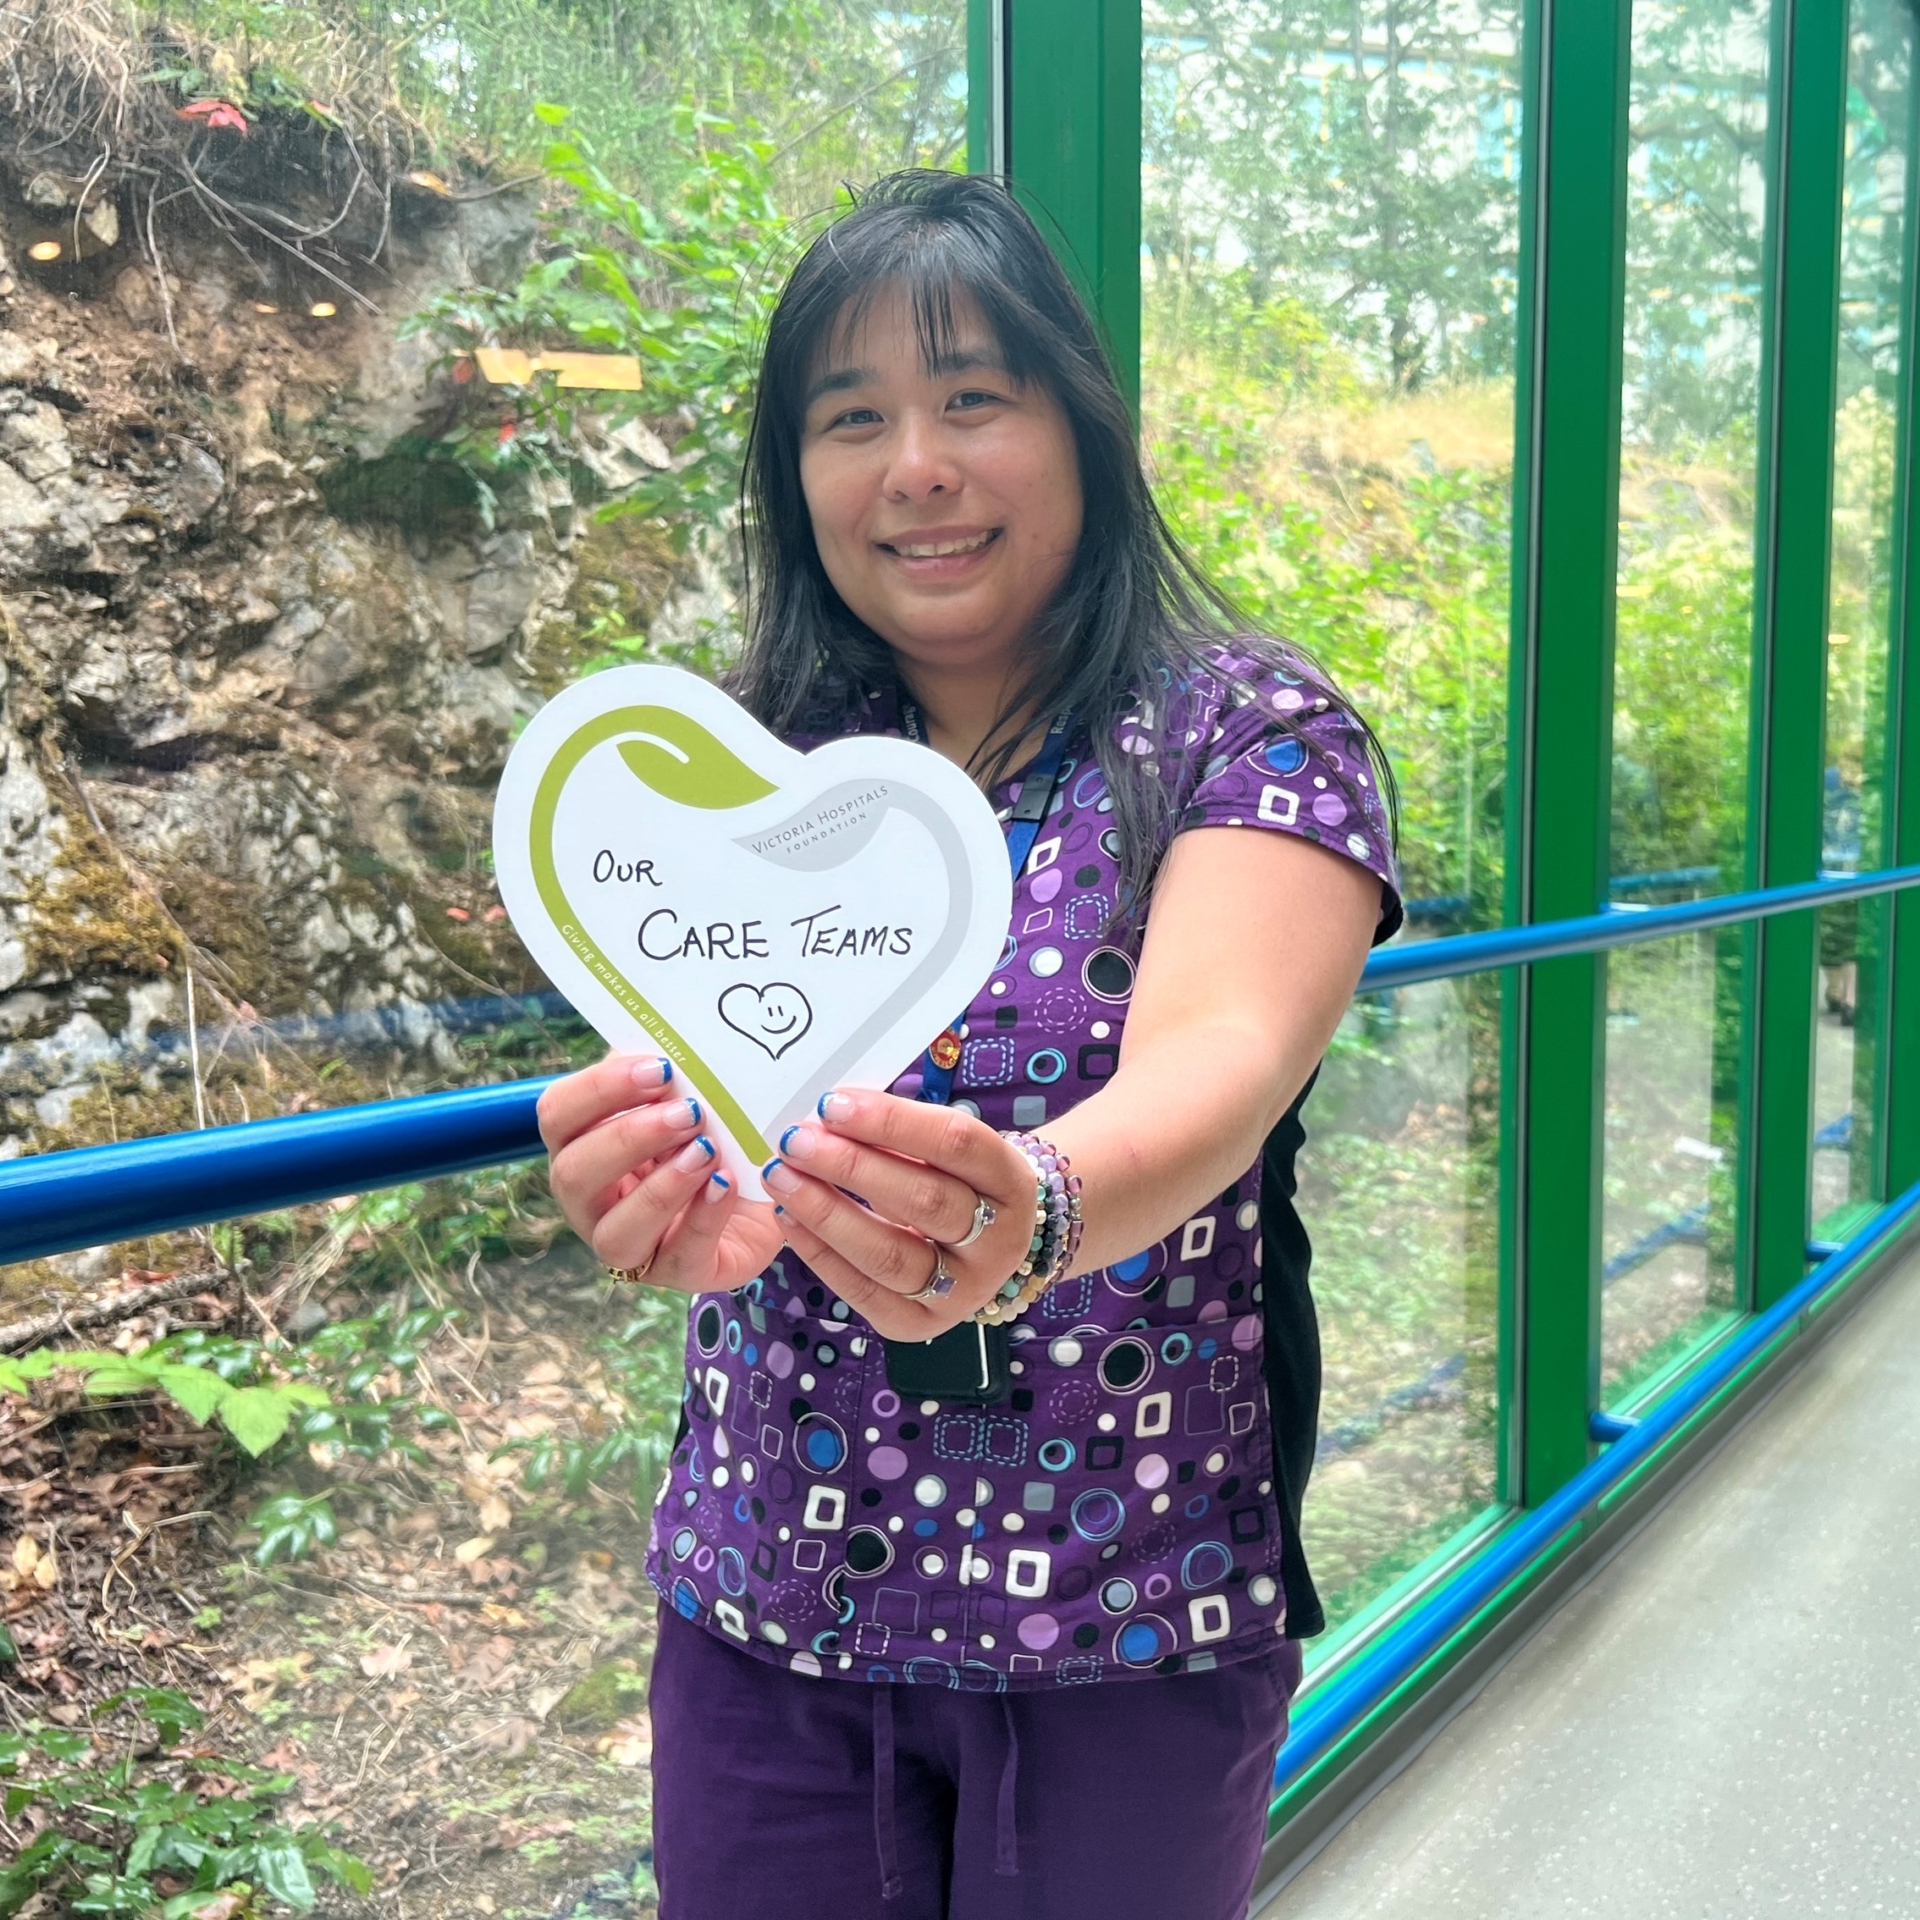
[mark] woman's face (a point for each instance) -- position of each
(946, 502)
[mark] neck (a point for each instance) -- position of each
(962, 709)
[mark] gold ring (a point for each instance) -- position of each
(634, 1275)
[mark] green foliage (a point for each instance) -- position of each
(1694, 228)
(643, 1364)
(1685, 636)
(122, 1825)
(291, 1525)
(255, 1412)
(685, 291)
(1412, 617)
(1359, 154)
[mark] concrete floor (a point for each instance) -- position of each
(1725, 1724)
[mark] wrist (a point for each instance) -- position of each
(1055, 1229)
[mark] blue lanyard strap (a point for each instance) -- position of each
(938, 1063)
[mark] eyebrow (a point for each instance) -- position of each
(841, 380)
(847, 379)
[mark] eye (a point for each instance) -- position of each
(854, 417)
(974, 398)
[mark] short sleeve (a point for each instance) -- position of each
(1284, 753)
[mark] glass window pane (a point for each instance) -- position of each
(1873, 247)
(1690, 410)
(1329, 281)
(1398, 1192)
(1696, 201)
(1666, 1249)
(1331, 218)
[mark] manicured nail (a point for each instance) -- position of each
(718, 1187)
(696, 1153)
(652, 1073)
(687, 1113)
(799, 1143)
(835, 1106)
(780, 1177)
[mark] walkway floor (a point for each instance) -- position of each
(1725, 1725)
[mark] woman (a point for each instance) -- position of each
(1014, 1643)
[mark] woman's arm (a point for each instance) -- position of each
(1253, 949)
(1254, 945)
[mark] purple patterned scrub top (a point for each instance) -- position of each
(1116, 1515)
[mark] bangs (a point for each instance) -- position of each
(946, 276)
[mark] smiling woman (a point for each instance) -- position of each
(893, 436)
(1031, 1412)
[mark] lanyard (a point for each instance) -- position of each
(1023, 828)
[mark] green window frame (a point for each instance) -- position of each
(1055, 93)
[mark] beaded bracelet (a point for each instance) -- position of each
(1056, 1231)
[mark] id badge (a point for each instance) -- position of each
(967, 1365)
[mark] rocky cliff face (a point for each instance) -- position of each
(257, 678)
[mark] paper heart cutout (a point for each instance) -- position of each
(775, 923)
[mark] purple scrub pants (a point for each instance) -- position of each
(779, 1795)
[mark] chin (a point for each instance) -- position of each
(953, 647)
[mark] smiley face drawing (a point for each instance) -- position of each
(771, 1017)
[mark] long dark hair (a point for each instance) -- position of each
(1134, 614)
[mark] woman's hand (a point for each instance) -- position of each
(635, 1178)
(922, 1170)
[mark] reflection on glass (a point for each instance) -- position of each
(1397, 1186)
(1330, 216)
(1872, 269)
(1690, 399)
(1671, 1102)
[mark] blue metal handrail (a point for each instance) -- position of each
(1405, 966)
(52, 1203)
(1336, 1707)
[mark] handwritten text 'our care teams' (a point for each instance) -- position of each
(818, 935)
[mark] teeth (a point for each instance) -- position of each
(934, 552)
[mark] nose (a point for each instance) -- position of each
(919, 466)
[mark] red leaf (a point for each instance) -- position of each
(215, 113)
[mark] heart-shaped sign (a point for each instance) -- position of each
(775, 923)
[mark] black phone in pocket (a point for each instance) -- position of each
(970, 1365)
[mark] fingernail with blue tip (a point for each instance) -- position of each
(718, 1187)
(696, 1153)
(787, 1137)
(780, 1177)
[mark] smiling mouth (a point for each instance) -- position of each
(939, 549)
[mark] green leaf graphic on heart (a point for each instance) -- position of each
(681, 761)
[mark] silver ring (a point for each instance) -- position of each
(942, 1282)
(983, 1217)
